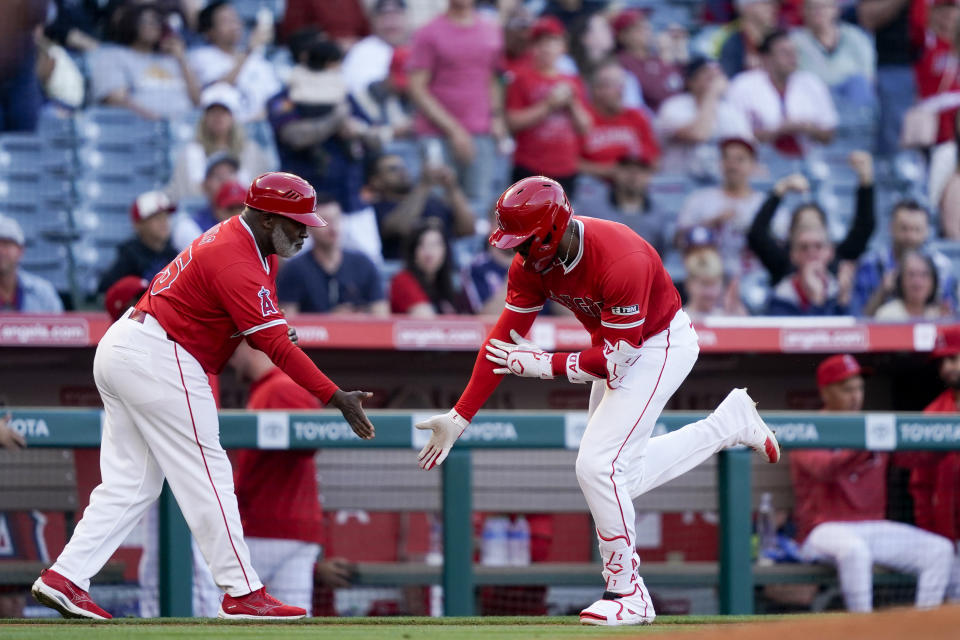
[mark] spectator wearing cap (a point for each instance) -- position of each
(368, 61)
(875, 281)
(915, 294)
(658, 79)
(401, 203)
(708, 290)
(838, 52)
(454, 83)
(150, 250)
(840, 502)
(691, 123)
(20, 290)
(229, 201)
(222, 167)
(617, 131)
(148, 72)
(218, 131)
(546, 111)
(123, 294)
(789, 109)
(726, 210)
(740, 50)
(630, 203)
(330, 278)
(226, 59)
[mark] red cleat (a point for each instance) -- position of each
(53, 590)
(258, 605)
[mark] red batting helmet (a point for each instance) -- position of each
(286, 195)
(534, 208)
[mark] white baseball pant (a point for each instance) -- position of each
(619, 461)
(286, 567)
(161, 422)
(854, 547)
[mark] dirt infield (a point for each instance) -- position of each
(893, 624)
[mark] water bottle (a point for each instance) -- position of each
(494, 546)
(518, 542)
(766, 530)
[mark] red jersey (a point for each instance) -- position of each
(616, 286)
(220, 290)
(625, 134)
(552, 146)
(277, 491)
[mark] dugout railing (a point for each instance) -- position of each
(738, 476)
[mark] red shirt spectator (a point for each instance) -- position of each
(658, 79)
(425, 287)
(937, 70)
(344, 21)
(406, 293)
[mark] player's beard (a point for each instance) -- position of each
(284, 247)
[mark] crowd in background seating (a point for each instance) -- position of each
(776, 154)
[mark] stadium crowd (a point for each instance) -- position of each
(786, 158)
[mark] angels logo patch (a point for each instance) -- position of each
(625, 311)
(267, 308)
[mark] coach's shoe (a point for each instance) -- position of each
(615, 609)
(258, 605)
(53, 590)
(755, 433)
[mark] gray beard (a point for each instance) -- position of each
(282, 244)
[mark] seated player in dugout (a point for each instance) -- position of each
(643, 345)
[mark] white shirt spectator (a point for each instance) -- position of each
(152, 80)
(679, 111)
(807, 99)
(366, 62)
(257, 81)
(854, 54)
(731, 238)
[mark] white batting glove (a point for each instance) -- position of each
(446, 428)
(520, 357)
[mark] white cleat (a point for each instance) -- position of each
(755, 434)
(614, 610)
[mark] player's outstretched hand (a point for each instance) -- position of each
(350, 405)
(446, 429)
(520, 357)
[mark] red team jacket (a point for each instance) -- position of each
(616, 287)
(220, 290)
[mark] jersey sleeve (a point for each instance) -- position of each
(524, 292)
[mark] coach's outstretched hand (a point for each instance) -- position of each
(446, 429)
(350, 405)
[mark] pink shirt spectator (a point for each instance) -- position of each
(461, 60)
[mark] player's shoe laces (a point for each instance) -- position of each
(615, 609)
(53, 590)
(755, 434)
(258, 605)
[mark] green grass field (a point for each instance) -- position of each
(521, 628)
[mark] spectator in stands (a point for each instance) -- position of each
(707, 290)
(812, 289)
(76, 25)
(401, 204)
(742, 48)
(318, 135)
(221, 168)
(658, 79)
(915, 292)
(10, 438)
(788, 108)
(838, 52)
(516, 39)
(840, 501)
(617, 131)
(592, 43)
(569, 11)
(150, 250)
(20, 95)
(909, 231)
(485, 281)
(453, 82)
(20, 290)
(938, 70)
(944, 183)
(546, 111)
(148, 73)
(229, 200)
(630, 203)
(345, 21)
(727, 210)
(691, 123)
(425, 287)
(329, 278)
(217, 132)
(277, 492)
(897, 36)
(368, 61)
(771, 253)
(123, 294)
(225, 59)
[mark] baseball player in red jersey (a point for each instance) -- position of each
(161, 420)
(643, 346)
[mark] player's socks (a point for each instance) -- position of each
(258, 605)
(57, 592)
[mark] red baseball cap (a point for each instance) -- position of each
(948, 342)
(122, 293)
(627, 18)
(231, 194)
(150, 204)
(546, 26)
(839, 368)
